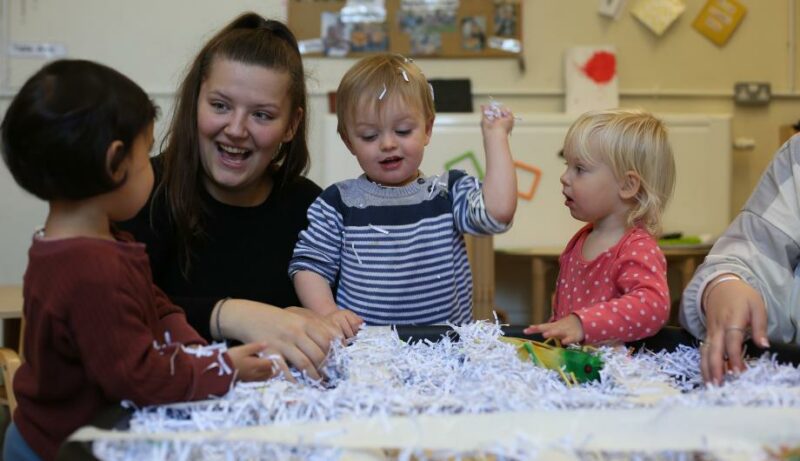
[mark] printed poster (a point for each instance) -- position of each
(591, 79)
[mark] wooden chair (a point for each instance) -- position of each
(12, 324)
(10, 360)
(480, 251)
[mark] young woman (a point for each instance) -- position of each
(230, 199)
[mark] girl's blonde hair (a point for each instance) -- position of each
(378, 79)
(629, 140)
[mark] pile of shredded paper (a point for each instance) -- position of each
(472, 399)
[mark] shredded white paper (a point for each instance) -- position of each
(380, 376)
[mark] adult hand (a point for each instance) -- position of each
(313, 316)
(732, 308)
(301, 340)
(249, 364)
(567, 330)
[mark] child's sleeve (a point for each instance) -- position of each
(121, 353)
(469, 208)
(173, 319)
(319, 247)
(640, 273)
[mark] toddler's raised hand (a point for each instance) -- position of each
(568, 330)
(496, 118)
(249, 364)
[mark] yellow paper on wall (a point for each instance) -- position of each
(657, 15)
(718, 19)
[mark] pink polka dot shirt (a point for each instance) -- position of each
(621, 295)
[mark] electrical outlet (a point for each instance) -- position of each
(752, 93)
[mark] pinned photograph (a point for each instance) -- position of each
(473, 33)
(335, 34)
(506, 19)
(428, 16)
(426, 43)
(369, 37)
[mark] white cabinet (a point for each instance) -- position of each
(701, 144)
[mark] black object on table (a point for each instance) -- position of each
(669, 338)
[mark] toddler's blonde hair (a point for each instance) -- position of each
(377, 79)
(629, 140)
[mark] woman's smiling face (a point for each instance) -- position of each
(243, 116)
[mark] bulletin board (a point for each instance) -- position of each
(420, 28)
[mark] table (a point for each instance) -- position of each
(685, 258)
(11, 314)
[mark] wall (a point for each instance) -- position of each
(680, 72)
(700, 144)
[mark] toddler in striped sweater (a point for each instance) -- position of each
(388, 247)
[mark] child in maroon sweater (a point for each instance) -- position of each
(78, 134)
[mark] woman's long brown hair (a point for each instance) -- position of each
(249, 39)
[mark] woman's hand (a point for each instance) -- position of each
(732, 309)
(301, 340)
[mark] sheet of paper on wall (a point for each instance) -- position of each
(364, 11)
(657, 15)
(591, 78)
(511, 45)
(37, 50)
(611, 8)
(444, 8)
(718, 20)
(312, 45)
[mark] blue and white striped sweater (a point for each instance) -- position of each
(397, 255)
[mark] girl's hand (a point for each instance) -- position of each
(732, 308)
(568, 330)
(347, 322)
(249, 364)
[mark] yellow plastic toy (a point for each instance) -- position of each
(575, 365)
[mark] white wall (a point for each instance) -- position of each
(680, 72)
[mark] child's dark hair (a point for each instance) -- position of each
(58, 128)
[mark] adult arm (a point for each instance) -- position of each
(301, 340)
(761, 248)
